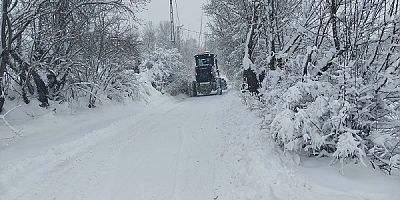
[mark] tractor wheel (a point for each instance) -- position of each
(224, 85)
(219, 86)
(190, 90)
(194, 89)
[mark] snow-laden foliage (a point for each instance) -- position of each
(348, 147)
(127, 85)
(312, 118)
(68, 50)
(166, 70)
(329, 73)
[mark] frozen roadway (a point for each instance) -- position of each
(203, 148)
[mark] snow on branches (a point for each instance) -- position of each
(332, 75)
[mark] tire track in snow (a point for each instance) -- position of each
(197, 173)
(138, 158)
(178, 166)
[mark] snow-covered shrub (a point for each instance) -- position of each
(349, 146)
(284, 130)
(348, 121)
(310, 120)
(166, 70)
(395, 161)
(303, 93)
(385, 151)
(126, 85)
(298, 125)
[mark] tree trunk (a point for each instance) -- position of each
(41, 89)
(4, 48)
(249, 75)
(272, 62)
(334, 25)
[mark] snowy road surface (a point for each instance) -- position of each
(201, 148)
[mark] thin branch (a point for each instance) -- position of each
(3, 117)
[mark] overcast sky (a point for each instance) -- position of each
(189, 11)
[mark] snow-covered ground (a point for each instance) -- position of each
(200, 148)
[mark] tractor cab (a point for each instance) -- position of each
(205, 67)
(204, 59)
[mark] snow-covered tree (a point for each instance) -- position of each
(332, 74)
(166, 70)
(63, 47)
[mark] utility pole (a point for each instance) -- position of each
(171, 8)
(201, 29)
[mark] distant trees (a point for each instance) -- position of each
(169, 65)
(332, 72)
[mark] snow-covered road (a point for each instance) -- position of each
(200, 148)
(163, 152)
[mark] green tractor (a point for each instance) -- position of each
(208, 79)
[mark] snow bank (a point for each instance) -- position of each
(297, 128)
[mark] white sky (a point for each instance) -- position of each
(190, 13)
